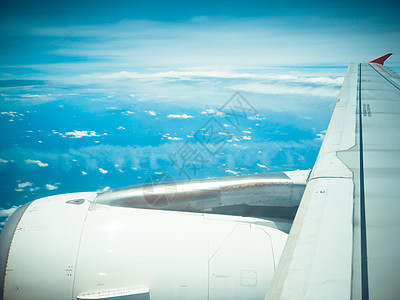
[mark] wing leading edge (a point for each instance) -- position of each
(343, 243)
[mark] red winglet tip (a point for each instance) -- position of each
(381, 60)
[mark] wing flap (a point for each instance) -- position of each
(319, 226)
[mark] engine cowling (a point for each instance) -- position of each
(64, 247)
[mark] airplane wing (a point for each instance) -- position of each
(344, 242)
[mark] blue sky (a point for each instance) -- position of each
(185, 34)
(97, 94)
(188, 51)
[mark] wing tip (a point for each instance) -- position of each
(380, 60)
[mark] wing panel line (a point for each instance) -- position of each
(387, 79)
(364, 256)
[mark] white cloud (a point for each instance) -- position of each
(21, 186)
(184, 116)
(3, 161)
(121, 128)
(321, 135)
(32, 96)
(284, 89)
(128, 112)
(256, 118)
(256, 82)
(7, 212)
(51, 187)
(262, 166)
(212, 74)
(232, 172)
(247, 137)
(208, 111)
(143, 158)
(38, 162)
(24, 184)
(103, 171)
(84, 173)
(246, 131)
(175, 138)
(79, 134)
(10, 113)
(151, 112)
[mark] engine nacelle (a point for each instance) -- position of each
(64, 247)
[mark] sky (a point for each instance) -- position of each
(99, 94)
(104, 35)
